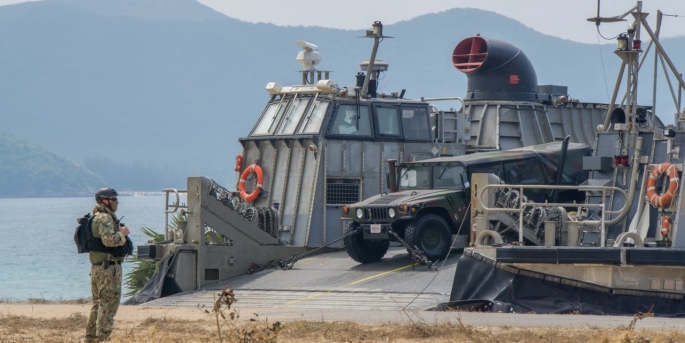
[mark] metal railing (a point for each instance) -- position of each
(171, 208)
(523, 205)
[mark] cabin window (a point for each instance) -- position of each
(350, 122)
(272, 114)
(293, 116)
(388, 121)
(524, 173)
(415, 124)
(415, 177)
(447, 176)
(314, 118)
(488, 169)
(342, 191)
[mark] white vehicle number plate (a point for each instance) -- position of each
(375, 228)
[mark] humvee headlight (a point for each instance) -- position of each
(404, 208)
(360, 213)
(346, 210)
(391, 212)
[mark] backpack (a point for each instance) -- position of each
(85, 242)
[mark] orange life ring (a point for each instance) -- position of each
(666, 198)
(260, 182)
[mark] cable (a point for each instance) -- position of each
(601, 57)
(600, 34)
(443, 261)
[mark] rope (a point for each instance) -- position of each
(443, 261)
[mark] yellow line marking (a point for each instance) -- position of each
(349, 284)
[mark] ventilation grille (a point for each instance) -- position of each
(211, 274)
(375, 213)
(342, 191)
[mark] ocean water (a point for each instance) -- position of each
(38, 257)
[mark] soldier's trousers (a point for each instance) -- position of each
(105, 285)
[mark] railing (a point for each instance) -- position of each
(171, 208)
(455, 118)
(523, 205)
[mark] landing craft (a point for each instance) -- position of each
(620, 252)
(319, 145)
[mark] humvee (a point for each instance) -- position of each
(429, 199)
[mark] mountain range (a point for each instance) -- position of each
(170, 85)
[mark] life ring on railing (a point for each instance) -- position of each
(665, 199)
(260, 183)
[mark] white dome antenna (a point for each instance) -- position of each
(309, 57)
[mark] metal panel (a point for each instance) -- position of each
(308, 180)
(372, 155)
(292, 188)
(334, 157)
(267, 163)
(656, 256)
(353, 160)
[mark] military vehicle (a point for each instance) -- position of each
(621, 252)
(319, 145)
(430, 200)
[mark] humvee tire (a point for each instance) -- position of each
(431, 234)
(364, 250)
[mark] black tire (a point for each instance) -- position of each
(431, 234)
(364, 250)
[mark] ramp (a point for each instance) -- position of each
(334, 281)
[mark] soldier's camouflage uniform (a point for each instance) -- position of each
(105, 283)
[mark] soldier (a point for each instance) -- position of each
(105, 271)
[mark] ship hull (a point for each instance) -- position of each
(482, 283)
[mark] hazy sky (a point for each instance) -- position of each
(565, 19)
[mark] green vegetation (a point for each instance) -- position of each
(29, 170)
(143, 270)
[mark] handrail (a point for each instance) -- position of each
(442, 125)
(167, 207)
(523, 205)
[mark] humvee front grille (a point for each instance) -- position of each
(375, 213)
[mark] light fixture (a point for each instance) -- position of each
(391, 212)
(360, 213)
(346, 210)
(622, 42)
(377, 28)
(313, 147)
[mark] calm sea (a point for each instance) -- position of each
(38, 257)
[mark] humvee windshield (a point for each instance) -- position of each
(427, 177)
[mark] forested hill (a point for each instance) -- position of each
(172, 84)
(29, 170)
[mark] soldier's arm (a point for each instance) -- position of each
(111, 237)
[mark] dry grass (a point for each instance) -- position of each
(223, 324)
(26, 329)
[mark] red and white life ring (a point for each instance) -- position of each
(260, 183)
(665, 199)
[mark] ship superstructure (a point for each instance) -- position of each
(619, 252)
(320, 145)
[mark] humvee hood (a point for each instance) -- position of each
(403, 197)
